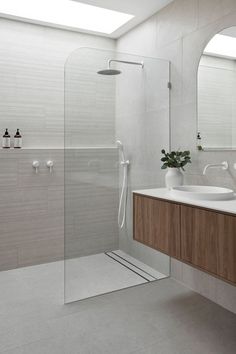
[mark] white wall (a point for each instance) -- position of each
(142, 124)
(32, 62)
(89, 100)
(179, 33)
(91, 162)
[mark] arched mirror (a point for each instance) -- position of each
(217, 93)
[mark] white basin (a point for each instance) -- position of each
(202, 193)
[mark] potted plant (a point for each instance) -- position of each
(175, 161)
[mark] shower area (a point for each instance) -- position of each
(114, 105)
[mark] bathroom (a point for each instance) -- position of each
(61, 192)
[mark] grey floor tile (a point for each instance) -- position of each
(163, 317)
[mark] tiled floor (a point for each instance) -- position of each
(105, 272)
(161, 317)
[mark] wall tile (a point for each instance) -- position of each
(142, 124)
(8, 258)
(212, 10)
(177, 269)
(173, 53)
(31, 213)
(91, 201)
(142, 37)
(226, 295)
(176, 20)
(40, 252)
(32, 62)
(8, 175)
(199, 281)
(89, 100)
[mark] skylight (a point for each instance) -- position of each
(221, 45)
(67, 13)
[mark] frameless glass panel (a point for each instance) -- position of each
(128, 103)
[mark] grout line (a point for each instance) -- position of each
(127, 267)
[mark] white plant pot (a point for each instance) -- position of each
(174, 178)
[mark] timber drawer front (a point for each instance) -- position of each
(203, 238)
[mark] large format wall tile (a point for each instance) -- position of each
(142, 124)
(32, 60)
(91, 201)
(31, 208)
(8, 258)
(212, 10)
(176, 20)
(89, 100)
(91, 157)
(42, 251)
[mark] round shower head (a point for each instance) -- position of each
(109, 72)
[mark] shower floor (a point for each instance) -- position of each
(152, 318)
(105, 272)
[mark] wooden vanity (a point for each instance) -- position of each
(195, 234)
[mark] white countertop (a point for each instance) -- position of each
(227, 206)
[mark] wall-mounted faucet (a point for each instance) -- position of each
(36, 165)
(50, 165)
(223, 165)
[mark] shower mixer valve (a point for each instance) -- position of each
(50, 165)
(36, 165)
(125, 163)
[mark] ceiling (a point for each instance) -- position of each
(141, 9)
(59, 14)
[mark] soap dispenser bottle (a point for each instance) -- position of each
(17, 140)
(6, 140)
(199, 142)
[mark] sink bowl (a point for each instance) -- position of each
(202, 193)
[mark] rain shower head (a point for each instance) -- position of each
(111, 72)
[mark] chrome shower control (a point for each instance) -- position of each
(50, 165)
(125, 163)
(36, 165)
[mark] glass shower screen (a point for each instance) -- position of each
(116, 123)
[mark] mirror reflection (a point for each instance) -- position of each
(217, 93)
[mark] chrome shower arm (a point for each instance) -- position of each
(141, 63)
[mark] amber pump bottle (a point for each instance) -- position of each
(18, 140)
(6, 140)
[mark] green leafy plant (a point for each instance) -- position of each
(175, 159)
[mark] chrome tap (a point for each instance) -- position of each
(223, 165)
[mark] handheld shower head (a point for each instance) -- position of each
(119, 145)
(121, 148)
